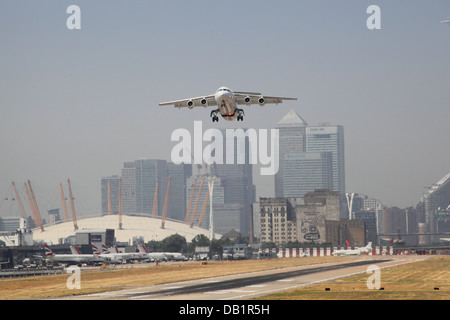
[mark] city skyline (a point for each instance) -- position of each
(199, 171)
(79, 103)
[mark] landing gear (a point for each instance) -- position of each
(214, 116)
(241, 114)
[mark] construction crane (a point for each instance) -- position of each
(72, 205)
(166, 201)
(120, 204)
(188, 211)
(36, 208)
(66, 215)
(194, 213)
(22, 210)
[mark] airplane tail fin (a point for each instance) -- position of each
(369, 245)
(48, 251)
(348, 243)
(142, 249)
(74, 250)
(105, 250)
(95, 250)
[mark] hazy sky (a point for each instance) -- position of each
(78, 103)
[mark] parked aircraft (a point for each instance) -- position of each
(70, 259)
(356, 251)
(153, 256)
(107, 256)
(125, 255)
(176, 256)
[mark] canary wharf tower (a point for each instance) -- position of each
(292, 130)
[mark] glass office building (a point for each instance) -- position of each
(306, 172)
(139, 184)
(329, 139)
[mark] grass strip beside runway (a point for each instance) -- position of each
(95, 280)
(424, 280)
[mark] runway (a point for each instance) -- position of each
(250, 285)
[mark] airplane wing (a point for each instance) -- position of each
(254, 98)
(203, 101)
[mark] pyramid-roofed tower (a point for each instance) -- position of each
(292, 119)
(292, 130)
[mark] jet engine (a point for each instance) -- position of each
(247, 100)
(261, 101)
(204, 102)
(190, 104)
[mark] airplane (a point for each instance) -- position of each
(227, 102)
(125, 255)
(70, 259)
(109, 257)
(356, 251)
(151, 255)
(446, 21)
(175, 256)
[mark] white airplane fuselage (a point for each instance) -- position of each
(352, 252)
(226, 103)
(347, 252)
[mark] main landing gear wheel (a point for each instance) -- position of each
(214, 116)
(240, 116)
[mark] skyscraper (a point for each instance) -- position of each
(306, 172)
(179, 173)
(437, 201)
(292, 130)
(147, 173)
(237, 181)
(329, 139)
(233, 191)
(139, 181)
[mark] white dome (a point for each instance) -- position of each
(132, 226)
